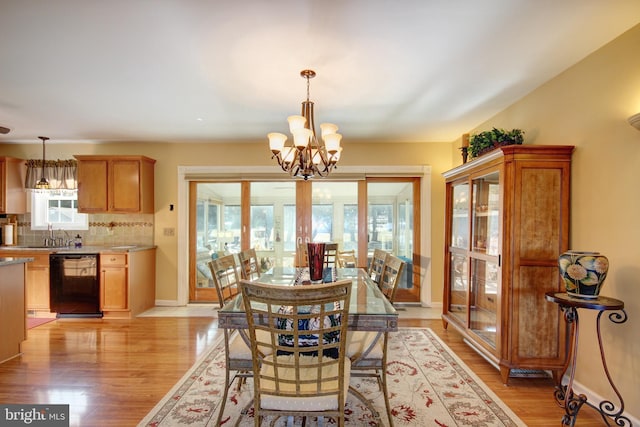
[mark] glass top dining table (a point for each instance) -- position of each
(369, 309)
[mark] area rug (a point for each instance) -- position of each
(32, 322)
(428, 386)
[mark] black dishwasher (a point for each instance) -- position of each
(74, 285)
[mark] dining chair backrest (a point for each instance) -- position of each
(331, 255)
(376, 265)
(298, 339)
(225, 277)
(347, 259)
(391, 273)
(249, 265)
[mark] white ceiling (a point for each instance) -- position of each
(197, 70)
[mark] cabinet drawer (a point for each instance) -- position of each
(107, 260)
(39, 260)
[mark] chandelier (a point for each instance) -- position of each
(307, 156)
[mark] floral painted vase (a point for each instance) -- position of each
(583, 273)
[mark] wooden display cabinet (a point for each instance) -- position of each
(115, 184)
(507, 221)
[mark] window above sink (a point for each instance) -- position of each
(57, 209)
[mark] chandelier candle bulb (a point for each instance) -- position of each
(332, 142)
(301, 138)
(276, 141)
(296, 122)
(327, 129)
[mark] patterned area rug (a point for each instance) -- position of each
(428, 385)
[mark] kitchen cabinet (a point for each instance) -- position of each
(115, 184)
(113, 280)
(13, 197)
(36, 278)
(127, 282)
(507, 221)
(13, 315)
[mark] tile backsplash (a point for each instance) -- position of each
(104, 230)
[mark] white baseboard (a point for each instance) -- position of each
(594, 399)
(167, 303)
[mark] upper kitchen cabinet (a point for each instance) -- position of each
(115, 184)
(13, 197)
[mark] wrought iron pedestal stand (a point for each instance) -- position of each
(564, 394)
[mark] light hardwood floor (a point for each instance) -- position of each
(113, 372)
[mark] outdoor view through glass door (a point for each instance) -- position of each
(274, 217)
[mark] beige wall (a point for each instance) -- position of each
(587, 106)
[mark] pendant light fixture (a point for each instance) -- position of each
(307, 156)
(43, 184)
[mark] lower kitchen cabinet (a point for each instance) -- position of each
(36, 279)
(127, 282)
(113, 282)
(38, 283)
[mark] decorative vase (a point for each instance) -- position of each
(316, 260)
(583, 273)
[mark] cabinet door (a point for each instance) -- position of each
(486, 246)
(114, 288)
(92, 185)
(124, 185)
(113, 282)
(458, 252)
(37, 288)
(3, 186)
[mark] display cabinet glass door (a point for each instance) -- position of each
(485, 259)
(459, 247)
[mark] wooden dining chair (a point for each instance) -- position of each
(391, 274)
(300, 368)
(347, 259)
(368, 350)
(330, 255)
(249, 265)
(238, 357)
(376, 265)
(225, 277)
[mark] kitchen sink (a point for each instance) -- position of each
(123, 247)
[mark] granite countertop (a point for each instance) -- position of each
(11, 260)
(82, 250)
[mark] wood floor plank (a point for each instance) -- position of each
(113, 372)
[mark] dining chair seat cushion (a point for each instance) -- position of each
(238, 348)
(359, 341)
(301, 403)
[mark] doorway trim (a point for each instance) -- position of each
(190, 173)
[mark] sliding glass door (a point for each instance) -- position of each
(392, 227)
(274, 217)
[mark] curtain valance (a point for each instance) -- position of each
(62, 174)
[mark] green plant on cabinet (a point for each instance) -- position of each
(482, 142)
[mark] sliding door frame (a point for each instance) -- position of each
(422, 264)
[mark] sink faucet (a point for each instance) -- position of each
(51, 240)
